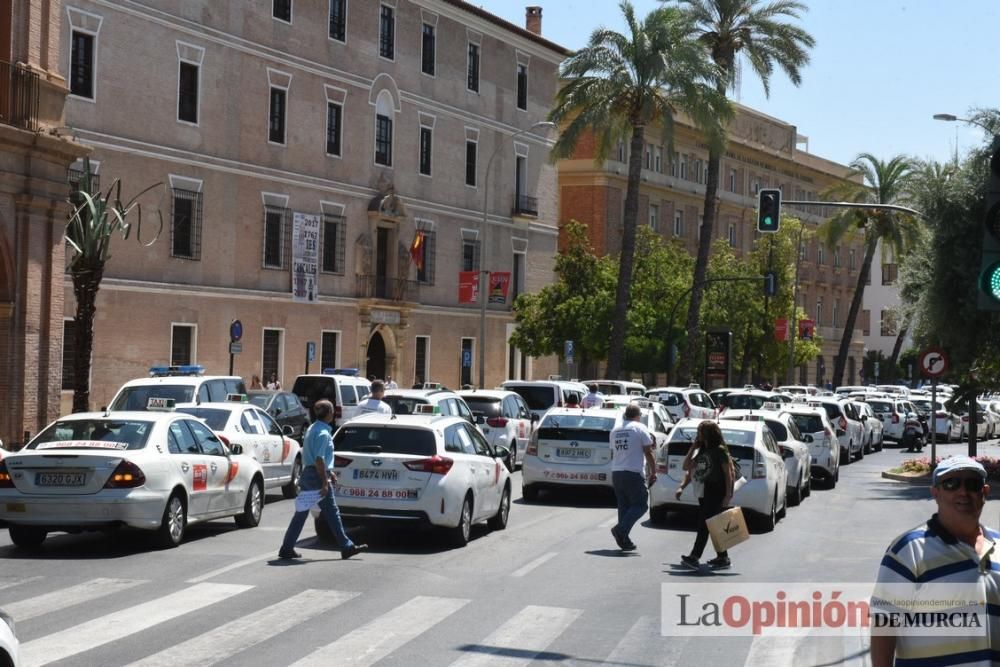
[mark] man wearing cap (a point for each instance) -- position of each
(953, 548)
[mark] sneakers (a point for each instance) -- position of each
(629, 546)
(353, 550)
(288, 554)
(719, 563)
(618, 538)
(690, 562)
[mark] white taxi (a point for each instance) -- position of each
(249, 430)
(794, 446)
(10, 648)
(504, 418)
(422, 469)
(824, 448)
(683, 402)
(157, 471)
(756, 456)
(570, 447)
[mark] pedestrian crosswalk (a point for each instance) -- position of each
(372, 627)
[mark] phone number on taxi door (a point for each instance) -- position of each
(396, 494)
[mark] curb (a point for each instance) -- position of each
(922, 480)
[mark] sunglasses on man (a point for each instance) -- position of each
(971, 484)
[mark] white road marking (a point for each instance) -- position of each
(533, 564)
(67, 597)
(10, 582)
(377, 639)
(644, 645)
(100, 631)
(232, 566)
(521, 639)
(220, 643)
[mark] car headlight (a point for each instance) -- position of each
(9, 620)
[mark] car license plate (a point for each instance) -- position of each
(573, 453)
(390, 475)
(376, 494)
(60, 479)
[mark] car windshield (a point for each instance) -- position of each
(216, 418)
(808, 423)
(310, 389)
(404, 406)
(667, 397)
(576, 427)
(384, 440)
(488, 407)
(881, 407)
(260, 399)
(537, 398)
(118, 434)
(136, 398)
(744, 401)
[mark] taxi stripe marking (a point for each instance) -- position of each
(375, 640)
(106, 629)
(67, 597)
(222, 642)
(525, 635)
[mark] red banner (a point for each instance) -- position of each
(806, 329)
(417, 250)
(499, 286)
(468, 286)
(781, 330)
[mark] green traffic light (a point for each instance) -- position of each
(991, 281)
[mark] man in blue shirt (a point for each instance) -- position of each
(317, 473)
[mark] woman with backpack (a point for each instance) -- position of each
(710, 467)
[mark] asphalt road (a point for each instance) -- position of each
(551, 589)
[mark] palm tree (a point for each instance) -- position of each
(727, 28)
(888, 182)
(618, 85)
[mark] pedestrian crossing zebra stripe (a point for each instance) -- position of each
(68, 597)
(644, 644)
(521, 639)
(10, 582)
(247, 631)
(117, 625)
(375, 640)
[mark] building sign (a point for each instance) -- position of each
(781, 330)
(807, 329)
(385, 316)
(499, 286)
(305, 257)
(468, 286)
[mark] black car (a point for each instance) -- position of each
(285, 407)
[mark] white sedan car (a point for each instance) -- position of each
(9, 646)
(153, 470)
(504, 418)
(794, 447)
(249, 430)
(424, 470)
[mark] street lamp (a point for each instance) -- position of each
(951, 118)
(484, 274)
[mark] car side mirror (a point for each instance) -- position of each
(277, 411)
(236, 448)
(807, 438)
(501, 452)
(864, 418)
(534, 417)
(479, 418)
(104, 408)
(287, 430)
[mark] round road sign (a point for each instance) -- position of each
(235, 331)
(934, 362)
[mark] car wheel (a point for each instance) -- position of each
(794, 496)
(658, 514)
(861, 452)
(512, 459)
(845, 457)
(529, 494)
(253, 507)
(174, 523)
(499, 520)
(291, 490)
(807, 488)
(460, 534)
(770, 519)
(783, 512)
(835, 478)
(27, 537)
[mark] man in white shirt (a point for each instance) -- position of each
(593, 398)
(390, 383)
(375, 403)
(631, 447)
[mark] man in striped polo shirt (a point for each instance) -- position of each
(955, 550)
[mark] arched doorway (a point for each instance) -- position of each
(376, 356)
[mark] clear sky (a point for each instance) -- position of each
(878, 72)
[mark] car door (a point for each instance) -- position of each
(274, 444)
(462, 410)
(776, 470)
(221, 494)
(491, 471)
(191, 465)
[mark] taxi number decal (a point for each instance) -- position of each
(199, 477)
(394, 494)
(587, 476)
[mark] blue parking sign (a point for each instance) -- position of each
(466, 358)
(568, 351)
(310, 351)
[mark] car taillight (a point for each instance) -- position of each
(341, 461)
(759, 467)
(126, 476)
(532, 449)
(895, 418)
(496, 422)
(965, 418)
(5, 481)
(438, 465)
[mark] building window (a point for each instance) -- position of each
(333, 124)
(658, 159)
(819, 311)
(888, 323)
(185, 224)
(473, 78)
(182, 341)
(187, 92)
(621, 151)
(852, 260)
(836, 257)
(334, 235)
(275, 229)
(470, 163)
(678, 223)
(732, 236)
(732, 180)
(387, 32)
(69, 355)
(654, 217)
(673, 165)
(420, 359)
(866, 323)
(427, 50)
(426, 137)
(684, 167)
(329, 342)
(276, 115)
(425, 273)
(522, 86)
(383, 140)
(889, 274)
(517, 276)
(648, 157)
(470, 255)
(820, 254)
(466, 361)
(835, 314)
(81, 68)
(803, 251)
(270, 362)
(282, 10)
(338, 20)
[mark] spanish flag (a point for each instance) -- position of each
(417, 250)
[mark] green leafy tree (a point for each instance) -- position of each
(883, 182)
(727, 29)
(95, 220)
(617, 86)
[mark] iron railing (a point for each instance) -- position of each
(370, 286)
(525, 205)
(18, 96)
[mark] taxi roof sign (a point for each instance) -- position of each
(236, 398)
(427, 409)
(157, 403)
(167, 371)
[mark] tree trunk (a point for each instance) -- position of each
(840, 362)
(616, 346)
(898, 346)
(86, 282)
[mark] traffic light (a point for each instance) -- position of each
(771, 283)
(989, 271)
(768, 210)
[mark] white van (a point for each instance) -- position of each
(346, 392)
(186, 385)
(618, 387)
(540, 395)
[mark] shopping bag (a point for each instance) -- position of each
(728, 529)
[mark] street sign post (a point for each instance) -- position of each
(310, 354)
(235, 347)
(934, 364)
